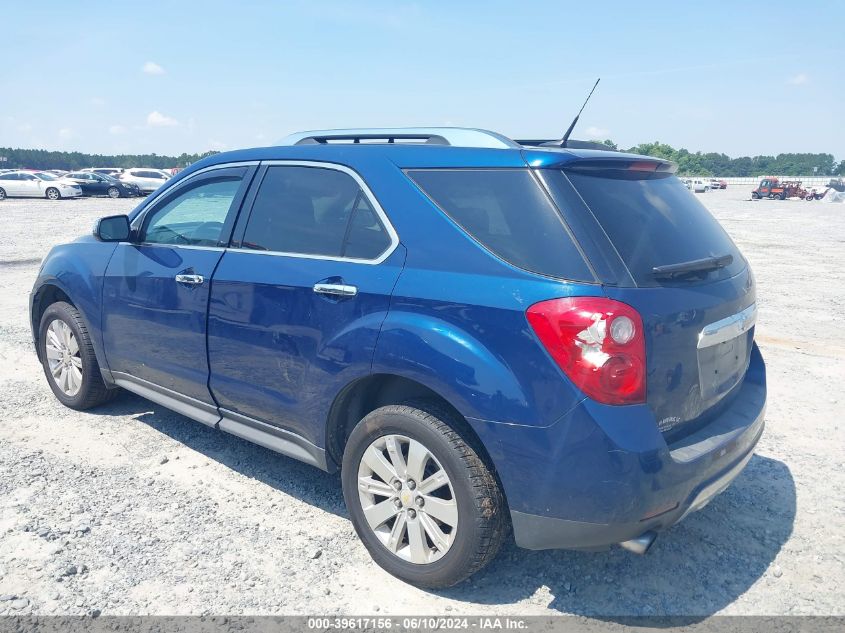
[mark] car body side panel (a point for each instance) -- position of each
(13, 186)
(467, 338)
(154, 328)
(278, 351)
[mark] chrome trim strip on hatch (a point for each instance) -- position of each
(728, 328)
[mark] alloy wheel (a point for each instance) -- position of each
(408, 499)
(63, 357)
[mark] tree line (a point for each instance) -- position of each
(715, 164)
(689, 163)
(72, 161)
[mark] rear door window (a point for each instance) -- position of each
(365, 236)
(654, 221)
(314, 211)
(508, 213)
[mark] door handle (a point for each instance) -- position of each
(189, 280)
(336, 290)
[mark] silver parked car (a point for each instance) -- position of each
(28, 184)
(148, 180)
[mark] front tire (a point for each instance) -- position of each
(2, 193)
(53, 194)
(67, 356)
(113, 192)
(423, 502)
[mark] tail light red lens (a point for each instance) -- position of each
(598, 343)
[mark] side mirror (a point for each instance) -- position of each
(114, 228)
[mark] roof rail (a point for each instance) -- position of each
(455, 136)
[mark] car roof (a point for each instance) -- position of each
(431, 148)
(420, 156)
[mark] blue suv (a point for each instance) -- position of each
(482, 335)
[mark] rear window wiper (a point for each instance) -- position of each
(691, 267)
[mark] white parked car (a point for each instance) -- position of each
(148, 180)
(37, 185)
(700, 186)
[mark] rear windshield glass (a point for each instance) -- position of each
(655, 222)
(509, 214)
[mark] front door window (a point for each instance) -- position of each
(195, 217)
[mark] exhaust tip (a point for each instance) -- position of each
(641, 544)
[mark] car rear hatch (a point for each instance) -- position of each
(656, 248)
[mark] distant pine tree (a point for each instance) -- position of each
(715, 164)
(45, 159)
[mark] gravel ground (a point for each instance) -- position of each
(132, 509)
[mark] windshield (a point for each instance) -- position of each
(43, 175)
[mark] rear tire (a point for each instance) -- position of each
(113, 192)
(53, 194)
(443, 518)
(67, 356)
(2, 193)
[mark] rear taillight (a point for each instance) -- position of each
(598, 343)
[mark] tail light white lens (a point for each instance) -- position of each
(598, 343)
(622, 329)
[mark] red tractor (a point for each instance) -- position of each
(772, 188)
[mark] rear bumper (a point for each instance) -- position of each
(603, 475)
(533, 531)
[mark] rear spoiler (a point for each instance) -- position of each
(613, 163)
(640, 164)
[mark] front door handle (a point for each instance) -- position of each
(189, 280)
(336, 290)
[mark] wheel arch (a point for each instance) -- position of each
(366, 394)
(46, 295)
(74, 272)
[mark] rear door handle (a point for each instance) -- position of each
(189, 280)
(336, 290)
